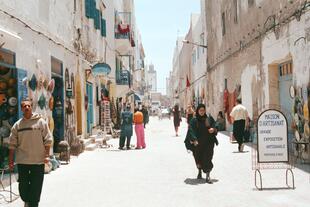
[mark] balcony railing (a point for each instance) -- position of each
(123, 77)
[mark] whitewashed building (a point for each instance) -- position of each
(59, 42)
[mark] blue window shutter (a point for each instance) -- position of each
(88, 8)
(97, 19)
(93, 9)
(103, 28)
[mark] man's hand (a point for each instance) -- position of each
(46, 160)
(195, 143)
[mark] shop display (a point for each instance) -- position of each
(12, 82)
(51, 103)
(306, 130)
(25, 81)
(69, 109)
(11, 92)
(3, 84)
(4, 70)
(4, 111)
(45, 83)
(12, 111)
(33, 83)
(4, 131)
(40, 82)
(42, 102)
(51, 86)
(3, 98)
(72, 85)
(51, 125)
(58, 108)
(12, 101)
(12, 120)
(69, 93)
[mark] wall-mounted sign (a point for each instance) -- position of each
(272, 143)
(101, 69)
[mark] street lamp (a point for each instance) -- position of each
(193, 43)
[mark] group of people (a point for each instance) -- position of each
(202, 130)
(31, 139)
(140, 118)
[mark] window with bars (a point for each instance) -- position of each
(285, 69)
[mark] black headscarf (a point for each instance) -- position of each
(198, 116)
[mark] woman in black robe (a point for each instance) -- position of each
(176, 119)
(200, 139)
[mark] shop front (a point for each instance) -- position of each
(12, 91)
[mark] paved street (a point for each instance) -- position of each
(164, 175)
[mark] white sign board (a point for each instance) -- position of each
(272, 140)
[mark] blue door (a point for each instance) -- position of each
(89, 92)
(286, 101)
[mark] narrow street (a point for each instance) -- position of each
(164, 174)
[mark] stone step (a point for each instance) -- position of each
(99, 140)
(87, 141)
(91, 147)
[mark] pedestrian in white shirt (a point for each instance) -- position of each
(239, 115)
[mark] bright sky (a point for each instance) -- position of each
(160, 23)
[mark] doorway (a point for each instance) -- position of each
(58, 95)
(285, 71)
(90, 118)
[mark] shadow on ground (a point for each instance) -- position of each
(195, 181)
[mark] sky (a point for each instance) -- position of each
(160, 22)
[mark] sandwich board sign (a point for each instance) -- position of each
(272, 141)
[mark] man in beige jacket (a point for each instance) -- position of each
(30, 139)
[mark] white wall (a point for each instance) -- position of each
(273, 50)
